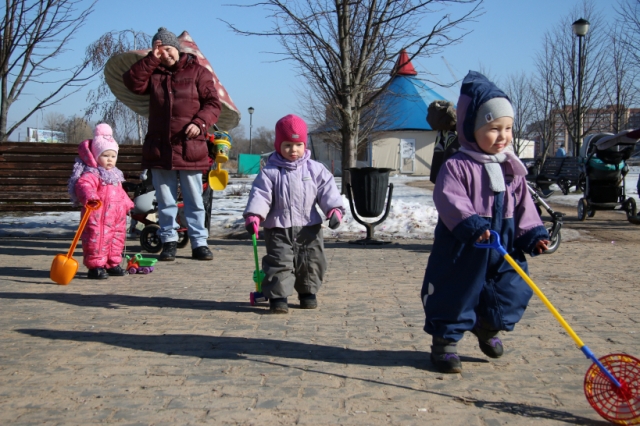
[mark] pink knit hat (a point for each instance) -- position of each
(103, 140)
(290, 128)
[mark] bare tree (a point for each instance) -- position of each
(545, 126)
(621, 91)
(520, 92)
(102, 103)
(345, 50)
(261, 140)
(34, 34)
(54, 121)
(565, 78)
(77, 129)
(628, 12)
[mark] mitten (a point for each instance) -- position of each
(335, 217)
(251, 224)
(94, 203)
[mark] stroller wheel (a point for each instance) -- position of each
(149, 239)
(583, 209)
(555, 241)
(183, 239)
(630, 208)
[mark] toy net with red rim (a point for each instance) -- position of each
(619, 405)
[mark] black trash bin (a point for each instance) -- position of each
(367, 193)
(369, 186)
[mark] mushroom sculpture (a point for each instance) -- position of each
(117, 65)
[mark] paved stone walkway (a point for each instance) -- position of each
(183, 346)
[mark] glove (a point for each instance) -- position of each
(335, 217)
(251, 224)
(94, 203)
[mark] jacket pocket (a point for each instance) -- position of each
(151, 150)
(194, 150)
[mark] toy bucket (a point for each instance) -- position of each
(222, 148)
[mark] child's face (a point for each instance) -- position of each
(107, 159)
(292, 150)
(495, 136)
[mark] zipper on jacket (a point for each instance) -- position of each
(102, 219)
(290, 198)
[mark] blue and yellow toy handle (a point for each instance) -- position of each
(494, 243)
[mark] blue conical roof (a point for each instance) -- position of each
(405, 101)
(407, 98)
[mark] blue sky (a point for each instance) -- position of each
(504, 40)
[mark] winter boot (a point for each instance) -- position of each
(488, 341)
(279, 306)
(444, 355)
(117, 271)
(202, 253)
(168, 251)
(308, 301)
(97, 274)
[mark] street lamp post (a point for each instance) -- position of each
(580, 28)
(250, 126)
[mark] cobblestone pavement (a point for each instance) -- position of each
(182, 345)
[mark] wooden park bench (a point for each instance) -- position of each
(571, 174)
(33, 176)
(566, 172)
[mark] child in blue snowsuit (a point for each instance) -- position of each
(480, 188)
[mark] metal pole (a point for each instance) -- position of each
(578, 144)
(250, 126)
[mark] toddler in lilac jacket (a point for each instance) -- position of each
(283, 198)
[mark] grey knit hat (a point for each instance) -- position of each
(492, 110)
(166, 37)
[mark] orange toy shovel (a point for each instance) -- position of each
(64, 267)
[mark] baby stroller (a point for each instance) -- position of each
(539, 196)
(555, 225)
(604, 158)
(144, 200)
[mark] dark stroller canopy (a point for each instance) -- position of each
(626, 137)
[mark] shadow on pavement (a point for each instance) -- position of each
(115, 301)
(23, 272)
(533, 412)
(33, 248)
(237, 348)
(425, 247)
(524, 410)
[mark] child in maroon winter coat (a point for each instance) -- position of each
(96, 178)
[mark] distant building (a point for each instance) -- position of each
(403, 141)
(42, 135)
(597, 121)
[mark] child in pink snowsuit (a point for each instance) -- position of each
(96, 178)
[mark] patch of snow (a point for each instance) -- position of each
(412, 213)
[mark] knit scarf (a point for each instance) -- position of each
(108, 177)
(492, 166)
